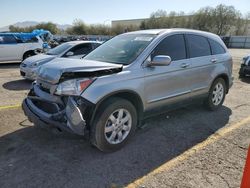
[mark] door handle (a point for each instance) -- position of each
(185, 65)
(213, 60)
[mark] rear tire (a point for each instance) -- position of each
(216, 95)
(114, 124)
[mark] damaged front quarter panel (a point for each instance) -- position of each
(72, 112)
(74, 116)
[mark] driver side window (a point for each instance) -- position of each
(173, 46)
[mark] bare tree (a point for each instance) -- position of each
(224, 18)
(203, 19)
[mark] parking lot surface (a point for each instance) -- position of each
(189, 147)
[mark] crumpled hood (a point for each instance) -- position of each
(61, 69)
(39, 59)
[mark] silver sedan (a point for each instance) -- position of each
(73, 50)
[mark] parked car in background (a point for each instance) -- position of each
(14, 49)
(73, 50)
(128, 78)
(245, 67)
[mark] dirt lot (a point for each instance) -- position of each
(190, 147)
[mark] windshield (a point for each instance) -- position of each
(123, 49)
(59, 49)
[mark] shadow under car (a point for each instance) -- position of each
(39, 158)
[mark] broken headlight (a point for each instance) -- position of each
(73, 87)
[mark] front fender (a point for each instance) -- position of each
(124, 81)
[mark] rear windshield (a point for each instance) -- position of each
(123, 49)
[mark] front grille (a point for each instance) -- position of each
(47, 107)
(44, 89)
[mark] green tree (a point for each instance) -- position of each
(78, 28)
(224, 18)
(160, 19)
(46, 26)
(203, 19)
(98, 29)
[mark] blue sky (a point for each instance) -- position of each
(97, 11)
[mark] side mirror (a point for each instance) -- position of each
(160, 60)
(69, 53)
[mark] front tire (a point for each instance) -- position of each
(216, 95)
(28, 54)
(114, 124)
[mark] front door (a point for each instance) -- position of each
(165, 85)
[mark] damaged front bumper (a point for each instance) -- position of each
(49, 111)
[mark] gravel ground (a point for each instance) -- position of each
(32, 157)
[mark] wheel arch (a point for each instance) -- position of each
(129, 95)
(28, 52)
(225, 78)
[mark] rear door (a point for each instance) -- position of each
(170, 84)
(10, 50)
(202, 63)
(218, 52)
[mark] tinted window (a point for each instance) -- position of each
(216, 47)
(95, 45)
(198, 46)
(59, 49)
(173, 46)
(33, 39)
(1, 39)
(81, 49)
(7, 39)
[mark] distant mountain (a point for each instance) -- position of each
(64, 26)
(32, 23)
(25, 24)
(6, 28)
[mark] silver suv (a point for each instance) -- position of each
(127, 79)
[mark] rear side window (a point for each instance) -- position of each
(1, 39)
(198, 46)
(173, 46)
(82, 49)
(216, 47)
(7, 39)
(33, 39)
(95, 45)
